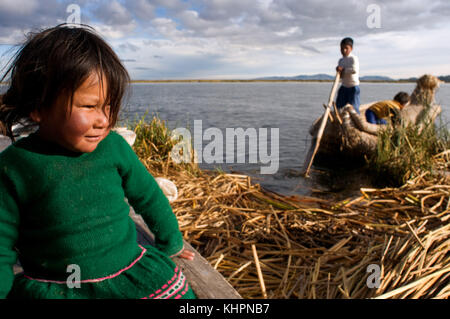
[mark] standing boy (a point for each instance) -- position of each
(348, 67)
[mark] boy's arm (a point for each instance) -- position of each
(9, 224)
(148, 200)
(340, 66)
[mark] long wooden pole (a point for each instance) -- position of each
(316, 141)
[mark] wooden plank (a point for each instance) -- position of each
(206, 282)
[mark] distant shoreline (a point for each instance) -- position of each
(249, 81)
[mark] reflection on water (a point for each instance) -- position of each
(289, 106)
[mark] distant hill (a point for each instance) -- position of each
(413, 79)
(317, 77)
(314, 77)
(376, 78)
(322, 77)
(326, 77)
(445, 78)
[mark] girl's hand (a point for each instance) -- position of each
(187, 254)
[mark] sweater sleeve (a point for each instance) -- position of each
(354, 67)
(148, 200)
(9, 224)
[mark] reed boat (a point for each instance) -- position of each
(348, 137)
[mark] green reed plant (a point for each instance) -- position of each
(404, 151)
(153, 139)
(154, 143)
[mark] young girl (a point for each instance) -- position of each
(63, 187)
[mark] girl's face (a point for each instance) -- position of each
(86, 126)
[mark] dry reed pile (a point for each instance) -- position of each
(268, 245)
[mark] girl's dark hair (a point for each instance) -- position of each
(53, 64)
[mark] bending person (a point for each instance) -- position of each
(380, 111)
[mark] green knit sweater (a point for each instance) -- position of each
(59, 208)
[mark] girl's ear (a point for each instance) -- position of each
(35, 115)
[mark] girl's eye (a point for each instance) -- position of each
(89, 106)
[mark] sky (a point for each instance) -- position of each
(245, 39)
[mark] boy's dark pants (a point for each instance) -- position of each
(348, 96)
(371, 117)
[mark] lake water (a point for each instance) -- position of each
(289, 106)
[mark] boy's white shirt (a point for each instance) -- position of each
(350, 75)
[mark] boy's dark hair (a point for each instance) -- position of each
(402, 98)
(347, 41)
(54, 63)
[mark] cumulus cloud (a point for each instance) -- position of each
(19, 17)
(142, 9)
(113, 13)
(243, 36)
(18, 7)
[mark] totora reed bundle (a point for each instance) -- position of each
(386, 243)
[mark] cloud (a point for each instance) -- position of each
(234, 37)
(113, 13)
(129, 46)
(18, 17)
(142, 9)
(111, 32)
(18, 7)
